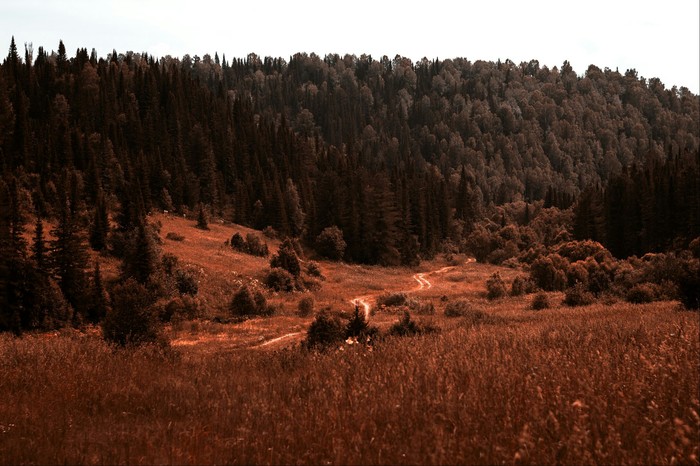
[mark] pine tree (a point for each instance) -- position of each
(10, 292)
(293, 209)
(97, 308)
(69, 260)
(202, 223)
(99, 229)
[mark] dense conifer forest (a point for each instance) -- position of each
(400, 160)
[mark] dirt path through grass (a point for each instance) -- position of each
(365, 303)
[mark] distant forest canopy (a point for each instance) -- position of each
(400, 156)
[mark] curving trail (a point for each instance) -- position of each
(363, 301)
(423, 283)
(275, 340)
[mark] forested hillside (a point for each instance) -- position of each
(399, 155)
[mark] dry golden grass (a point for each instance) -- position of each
(599, 384)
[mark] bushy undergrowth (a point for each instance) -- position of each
(131, 319)
(540, 301)
(326, 330)
(279, 280)
(578, 295)
(172, 236)
(458, 308)
(495, 287)
(392, 299)
(306, 306)
(252, 245)
(407, 327)
(248, 301)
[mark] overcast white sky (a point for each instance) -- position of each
(659, 38)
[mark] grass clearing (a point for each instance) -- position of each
(597, 384)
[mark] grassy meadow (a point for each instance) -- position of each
(608, 383)
(600, 384)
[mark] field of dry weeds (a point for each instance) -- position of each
(614, 384)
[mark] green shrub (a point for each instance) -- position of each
(186, 282)
(359, 329)
(330, 243)
(522, 285)
(238, 243)
(314, 270)
(392, 299)
(641, 293)
(421, 308)
(249, 302)
(540, 301)
(172, 236)
(252, 245)
(270, 232)
(180, 308)
(406, 327)
(548, 272)
(578, 295)
(324, 332)
(474, 317)
(131, 320)
(287, 258)
(495, 287)
(279, 280)
(458, 308)
(306, 306)
(255, 246)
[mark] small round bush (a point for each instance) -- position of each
(540, 301)
(180, 308)
(406, 327)
(392, 299)
(458, 308)
(186, 282)
(172, 236)
(169, 262)
(279, 280)
(238, 243)
(314, 270)
(495, 287)
(641, 293)
(306, 306)
(255, 246)
(324, 331)
(287, 258)
(131, 320)
(330, 243)
(249, 302)
(522, 285)
(578, 295)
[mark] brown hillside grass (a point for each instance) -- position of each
(599, 384)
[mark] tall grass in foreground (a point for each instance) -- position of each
(588, 385)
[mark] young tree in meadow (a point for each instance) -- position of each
(330, 243)
(131, 320)
(287, 258)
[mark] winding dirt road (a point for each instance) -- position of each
(363, 301)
